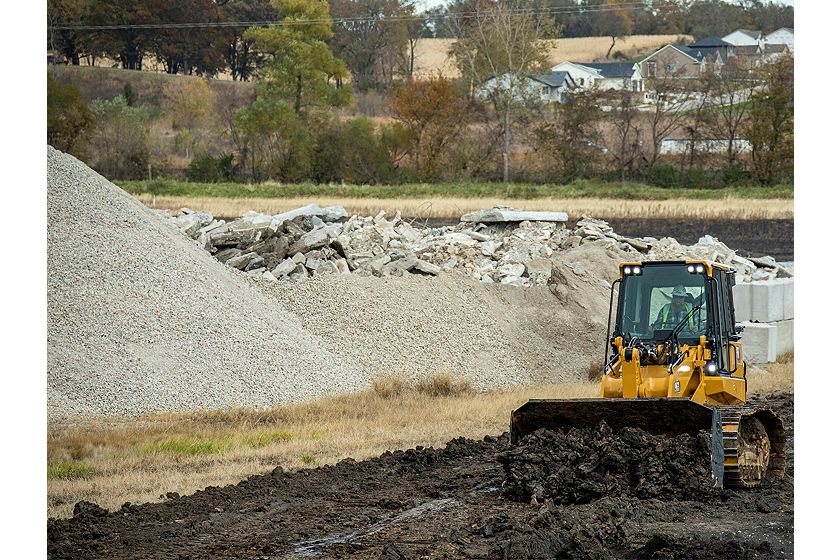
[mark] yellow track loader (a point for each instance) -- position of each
(673, 364)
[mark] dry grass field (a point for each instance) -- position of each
(432, 55)
(139, 460)
(453, 208)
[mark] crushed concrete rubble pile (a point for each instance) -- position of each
(141, 320)
(494, 246)
(580, 465)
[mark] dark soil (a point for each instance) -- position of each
(609, 499)
(578, 466)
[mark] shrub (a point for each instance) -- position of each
(735, 175)
(443, 385)
(68, 116)
(205, 168)
(663, 175)
(273, 142)
(352, 152)
(120, 142)
(390, 386)
(696, 178)
(130, 96)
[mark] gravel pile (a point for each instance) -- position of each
(493, 334)
(141, 319)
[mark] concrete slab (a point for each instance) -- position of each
(767, 301)
(742, 298)
(784, 336)
(513, 215)
(759, 342)
(787, 297)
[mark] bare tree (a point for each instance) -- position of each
(570, 134)
(770, 129)
(498, 45)
(672, 97)
(623, 122)
(727, 98)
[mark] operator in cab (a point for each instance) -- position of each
(673, 312)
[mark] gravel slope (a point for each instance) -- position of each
(493, 334)
(141, 319)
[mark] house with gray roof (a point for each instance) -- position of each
(604, 75)
(544, 87)
(745, 38)
(681, 61)
(781, 36)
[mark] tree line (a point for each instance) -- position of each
(290, 128)
(374, 38)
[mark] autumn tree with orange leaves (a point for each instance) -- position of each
(430, 115)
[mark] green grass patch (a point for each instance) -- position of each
(577, 189)
(189, 446)
(307, 459)
(264, 438)
(68, 471)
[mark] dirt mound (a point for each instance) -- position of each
(580, 465)
(141, 319)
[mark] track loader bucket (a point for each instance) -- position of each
(666, 416)
(747, 444)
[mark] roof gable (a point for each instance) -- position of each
(748, 32)
(710, 41)
(682, 49)
(611, 69)
(579, 65)
(552, 79)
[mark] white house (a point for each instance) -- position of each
(581, 75)
(546, 87)
(604, 75)
(681, 146)
(745, 38)
(553, 85)
(782, 36)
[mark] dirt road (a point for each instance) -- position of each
(434, 503)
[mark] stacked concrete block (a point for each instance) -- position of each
(742, 299)
(759, 341)
(765, 309)
(784, 336)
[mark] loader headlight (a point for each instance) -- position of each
(637, 270)
(711, 367)
(627, 270)
(691, 268)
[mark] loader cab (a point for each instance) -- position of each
(686, 300)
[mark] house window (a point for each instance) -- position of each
(581, 81)
(652, 68)
(545, 90)
(672, 69)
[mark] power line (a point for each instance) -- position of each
(639, 5)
